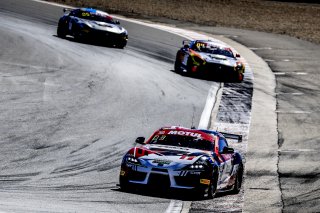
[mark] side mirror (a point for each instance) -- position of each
(186, 46)
(237, 55)
(227, 150)
(140, 140)
(117, 22)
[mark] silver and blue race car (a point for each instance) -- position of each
(87, 24)
(181, 158)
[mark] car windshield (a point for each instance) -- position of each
(95, 17)
(213, 49)
(183, 141)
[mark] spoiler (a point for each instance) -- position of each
(67, 9)
(232, 136)
(186, 42)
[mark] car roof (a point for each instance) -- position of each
(213, 43)
(94, 11)
(183, 131)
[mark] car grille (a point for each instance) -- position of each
(159, 170)
(138, 176)
(159, 180)
(189, 180)
(218, 68)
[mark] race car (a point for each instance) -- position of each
(86, 24)
(196, 160)
(209, 59)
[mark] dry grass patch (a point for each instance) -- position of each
(294, 19)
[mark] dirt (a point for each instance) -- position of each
(300, 20)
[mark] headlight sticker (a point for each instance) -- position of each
(205, 181)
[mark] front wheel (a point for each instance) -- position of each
(210, 191)
(238, 180)
(121, 45)
(61, 33)
(239, 77)
(124, 184)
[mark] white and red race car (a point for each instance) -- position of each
(183, 158)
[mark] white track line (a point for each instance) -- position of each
(211, 100)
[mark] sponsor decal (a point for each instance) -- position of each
(205, 181)
(186, 157)
(183, 173)
(162, 161)
(195, 173)
(122, 173)
(192, 134)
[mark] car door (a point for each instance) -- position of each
(226, 162)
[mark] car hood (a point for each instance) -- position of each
(218, 59)
(167, 156)
(103, 26)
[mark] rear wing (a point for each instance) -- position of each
(226, 135)
(67, 10)
(232, 136)
(186, 43)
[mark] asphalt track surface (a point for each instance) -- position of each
(67, 123)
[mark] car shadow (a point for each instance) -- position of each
(166, 193)
(98, 44)
(218, 78)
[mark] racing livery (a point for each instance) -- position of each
(183, 158)
(93, 25)
(209, 59)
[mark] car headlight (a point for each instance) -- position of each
(200, 164)
(238, 66)
(132, 160)
(196, 166)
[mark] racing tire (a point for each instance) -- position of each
(210, 191)
(121, 45)
(124, 185)
(61, 33)
(77, 37)
(238, 180)
(177, 64)
(239, 78)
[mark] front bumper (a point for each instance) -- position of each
(164, 177)
(103, 36)
(214, 69)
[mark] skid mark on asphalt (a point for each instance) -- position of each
(233, 116)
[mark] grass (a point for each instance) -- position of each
(300, 20)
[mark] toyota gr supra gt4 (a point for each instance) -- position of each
(209, 59)
(196, 160)
(94, 25)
